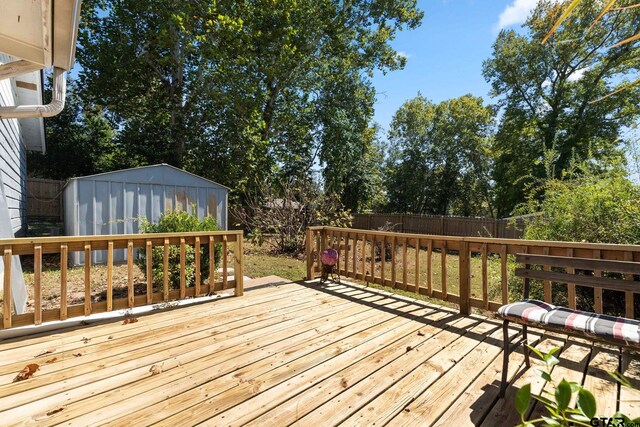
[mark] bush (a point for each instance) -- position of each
(176, 222)
(597, 209)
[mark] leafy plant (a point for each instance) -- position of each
(176, 222)
(558, 401)
(586, 207)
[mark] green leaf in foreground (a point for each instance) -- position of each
(563, 395)
(523, 396)
(586, 403)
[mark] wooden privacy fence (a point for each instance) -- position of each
(63, 246)
(441, 225)
(44, 198)
(470, 271)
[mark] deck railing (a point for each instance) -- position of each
(222, 242)
(468, 271)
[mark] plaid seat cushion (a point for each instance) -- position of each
(601, 325)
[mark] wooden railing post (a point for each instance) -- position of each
(465, 278)
(238, 267)
(309, 251)
(6, 300)
(323, 239)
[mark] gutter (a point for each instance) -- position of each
(53, 108)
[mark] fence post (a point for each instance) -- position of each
(465, 278)
(309, 251)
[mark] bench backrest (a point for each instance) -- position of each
(627, 268)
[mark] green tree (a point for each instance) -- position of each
(242, 91)
(439, 158)
(546, 93)
(80, 141)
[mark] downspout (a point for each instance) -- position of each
(54, 107)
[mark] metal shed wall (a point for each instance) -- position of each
(114, 202)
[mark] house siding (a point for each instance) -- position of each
(13, 161)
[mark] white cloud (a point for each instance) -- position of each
(404, 54)
(515, 14)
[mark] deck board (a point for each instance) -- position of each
(291, 354)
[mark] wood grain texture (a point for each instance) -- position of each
(37, 285)
(87, 279)
(6, 295)
(287, 354)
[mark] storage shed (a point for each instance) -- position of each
(114, 202)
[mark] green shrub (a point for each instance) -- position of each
(178, 222)
(590, 208)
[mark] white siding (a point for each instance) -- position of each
(13, 161)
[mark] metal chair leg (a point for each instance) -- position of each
(525, 349)
(505, 360)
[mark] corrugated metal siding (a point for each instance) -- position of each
(13, 161)
(114, 203)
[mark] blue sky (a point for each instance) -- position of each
(445, 54)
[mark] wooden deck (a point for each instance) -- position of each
(289, 353)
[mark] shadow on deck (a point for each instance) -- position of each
(290, 353)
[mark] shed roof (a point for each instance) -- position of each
(152, 174)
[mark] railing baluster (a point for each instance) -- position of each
(183, 266)
(416, 286)
(109, 276)
(404, 265)
(597, 292)
(547, 283)
(628, 299)
(309, 251)
(393, 261)
(363, 267)
(37, 284)
(149, 250)
(373, 258)
(571, 287)
(430, 267)
(464, 269)
(87, 279)
(64, 251)
(346, 254)
(503, 274)
(197, 261)
(383, 257)
(319, 236)
(6, 299)
(443, 268)
(130, 290)
(225, 272)
(238, 268)
(212, 264)
(485, 277)
(355, 255)
(165, 270)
